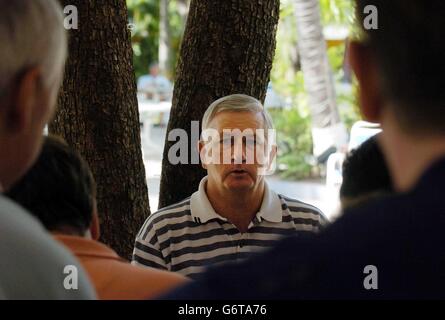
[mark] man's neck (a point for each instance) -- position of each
(408, 156)
(236, 206)
(68, 231)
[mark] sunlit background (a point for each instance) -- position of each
(157, 28)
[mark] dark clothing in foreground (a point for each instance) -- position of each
(403, 236)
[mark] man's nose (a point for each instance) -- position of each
(238, 153)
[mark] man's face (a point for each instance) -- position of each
(235, 155)
(25, 112)
(154, 70)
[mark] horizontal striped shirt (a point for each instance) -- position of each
(188, 236)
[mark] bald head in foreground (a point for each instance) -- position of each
(32, 58)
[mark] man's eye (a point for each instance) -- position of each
(250, 141)
(226, 141)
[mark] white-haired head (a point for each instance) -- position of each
(31, 35)
(236, 103)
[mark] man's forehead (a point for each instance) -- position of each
(237, 120)
(249, 132)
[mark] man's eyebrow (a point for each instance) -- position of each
(250, 133)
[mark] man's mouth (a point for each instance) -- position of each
(238, 171)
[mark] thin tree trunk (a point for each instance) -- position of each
(98, 116)
(228, 47)
(183, 8)
(164, 38)
(326, 122)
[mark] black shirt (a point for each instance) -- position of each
(391, 248)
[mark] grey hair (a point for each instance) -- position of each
(236, 103)
(31, 35)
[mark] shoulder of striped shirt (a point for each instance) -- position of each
(295, 205)
(176, 210)
(181, 207)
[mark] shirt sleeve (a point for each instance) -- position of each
(147, 251)
(142, 82)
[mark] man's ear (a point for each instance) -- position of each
(201, 149)
(273, 154)
(363, 64)
(95, 225)
(24, 98)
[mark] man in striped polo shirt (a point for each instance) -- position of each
(234, 213)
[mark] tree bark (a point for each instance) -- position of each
(228, 47)
(98, 115)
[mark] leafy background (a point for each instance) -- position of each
(293, 123)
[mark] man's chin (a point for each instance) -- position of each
(239, 184)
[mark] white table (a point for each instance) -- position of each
(148, 109)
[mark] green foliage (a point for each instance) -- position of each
(337, 12)
(294, 126)
(348, 106)
(144, 15)
(177, 26)
(294, 143)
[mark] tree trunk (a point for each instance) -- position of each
(228, 47)
(327, 127)
(98, 116)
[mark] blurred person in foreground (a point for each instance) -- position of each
(60, 191)
(32, 59)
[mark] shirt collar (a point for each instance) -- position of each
(83, 247)
(201, 209)
(271, 207)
